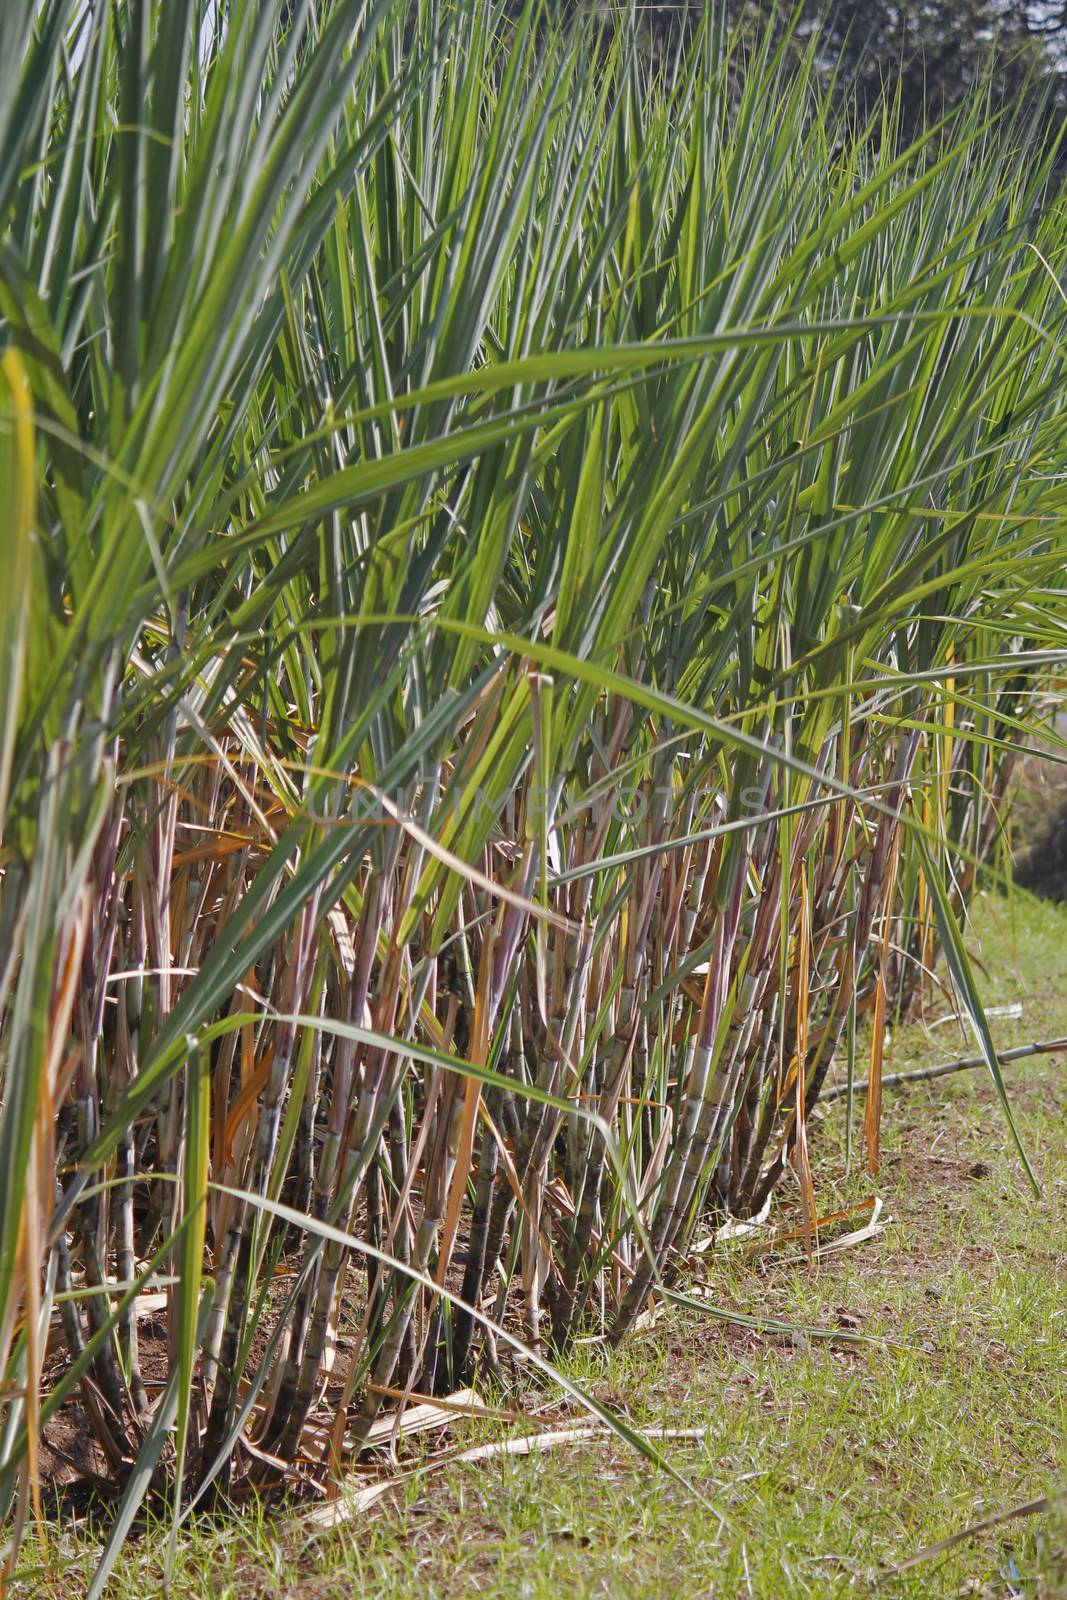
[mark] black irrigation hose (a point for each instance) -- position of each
(922, 1074)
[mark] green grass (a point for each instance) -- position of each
(830, 1464)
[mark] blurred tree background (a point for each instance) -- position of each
(933, 52)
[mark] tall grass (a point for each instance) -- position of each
(525, 577)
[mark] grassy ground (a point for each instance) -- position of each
(829, 1465)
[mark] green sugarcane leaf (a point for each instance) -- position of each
(963, 982)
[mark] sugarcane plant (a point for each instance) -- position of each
(528, 566)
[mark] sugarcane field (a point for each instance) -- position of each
(533, 799)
